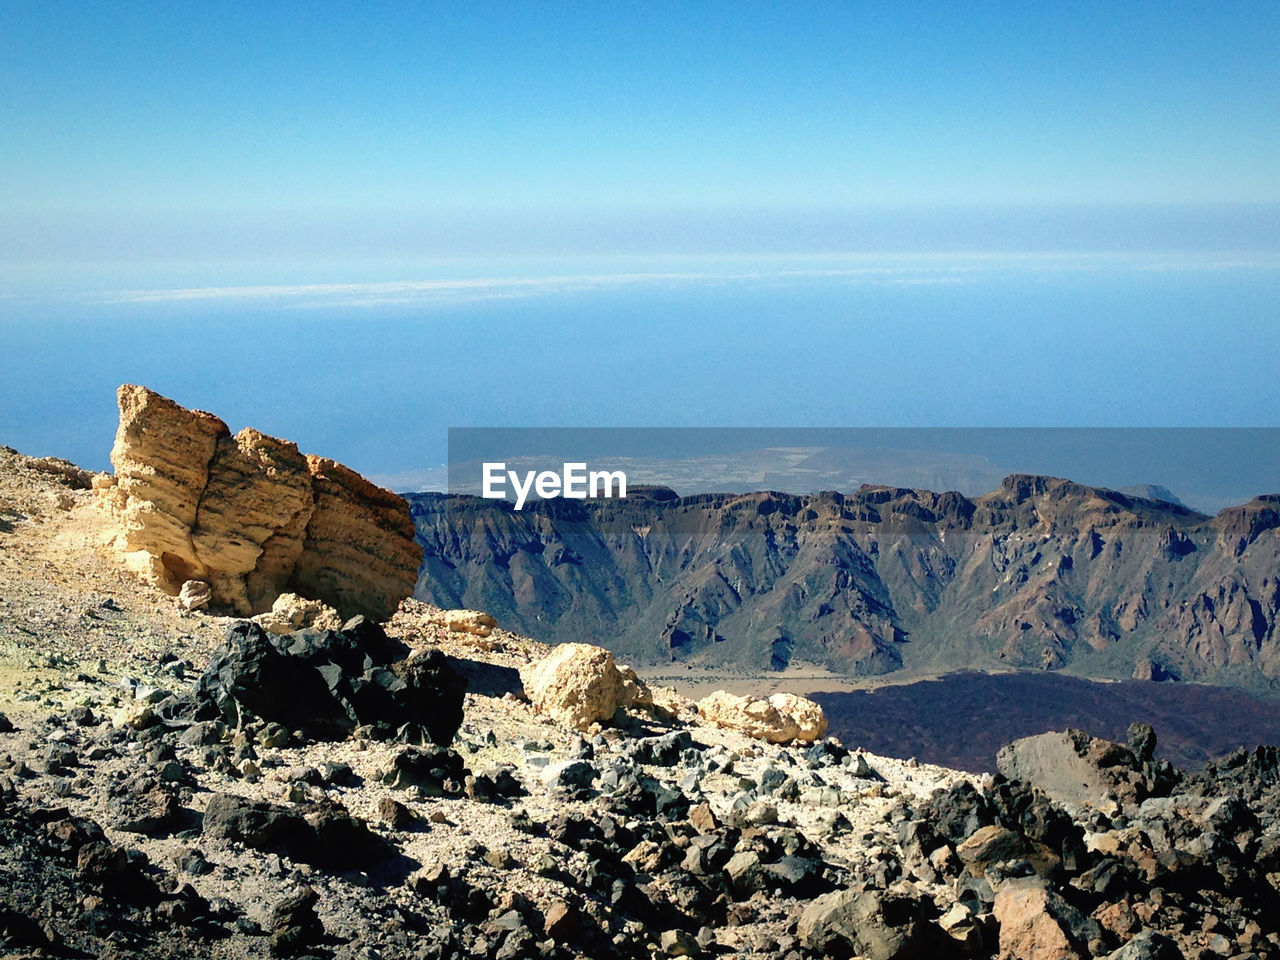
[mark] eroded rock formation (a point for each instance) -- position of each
(250, 514)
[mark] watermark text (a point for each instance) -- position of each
(573, 482)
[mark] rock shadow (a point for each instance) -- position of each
(488, 679)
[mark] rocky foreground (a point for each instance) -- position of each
(187, 820)
(177, 782)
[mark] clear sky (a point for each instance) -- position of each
(222, 131)
(357, 224)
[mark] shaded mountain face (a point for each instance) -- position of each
(1041, 573)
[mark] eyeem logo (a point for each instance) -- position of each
(573, 482)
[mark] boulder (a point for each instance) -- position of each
(324, 835)
(256, 824)
(295, 925)
(1035, 923)
(250, 515)
(874, 925)
(325, 683)
(194, 595)
(577, 685)
(781, 718)
(290, 612)
(470, 621)
(1073, 767)
(435, 771)
(991, 845)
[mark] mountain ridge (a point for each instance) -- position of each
(1041, 573)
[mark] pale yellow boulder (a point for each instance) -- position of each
(291, 612)
(781, 718)
(578, 685)
(134, 715)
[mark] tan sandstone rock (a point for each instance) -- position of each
(1033, 923)
(291, 612)
(161, 458)
(781, 718)
(577, 685)
(251, 515)
(360, 555)
(473, 622)
(194, 595)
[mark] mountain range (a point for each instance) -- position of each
(1041, 573)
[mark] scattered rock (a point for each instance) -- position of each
(781, 718)
(679, 943)
(561, 922)
(991, 845)
(433, 770)
(871, 924)
(194, 595)
(294, 924)
(1035, 923)
(290, 612)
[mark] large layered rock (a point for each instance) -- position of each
(781, 718)
(161, 456)
(251, 515)
(360, 550)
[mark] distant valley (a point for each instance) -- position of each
(963, 719)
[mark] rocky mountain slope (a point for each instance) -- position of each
(1041, 573)
(184, 783)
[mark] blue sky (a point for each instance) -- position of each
(358, 224)
(222, 132)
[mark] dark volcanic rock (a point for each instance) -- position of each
(324, 835)
(339, 841)
(254, 823)
(325, 683)
(872, 925)
(436, 771)
(294, 924)
(146, 805)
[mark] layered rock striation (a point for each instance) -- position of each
(250, 514)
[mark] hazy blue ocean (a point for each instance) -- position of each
(373, 367)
